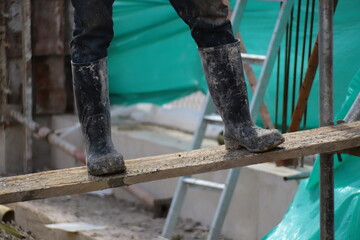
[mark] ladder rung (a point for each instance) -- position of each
(213, 118)
(194, 182)
(253, 58)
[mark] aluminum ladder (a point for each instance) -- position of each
(208, 116)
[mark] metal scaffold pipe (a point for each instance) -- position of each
(354, 112)
(326, 117)
(47, 134)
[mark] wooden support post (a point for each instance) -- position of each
(77, 180)
(3, 84)
(11, 77)
(27, 101)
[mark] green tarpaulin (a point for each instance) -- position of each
(302, 220)
(154, 59)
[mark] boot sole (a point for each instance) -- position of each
(234, 145)
(107, 171)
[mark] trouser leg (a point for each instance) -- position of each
(207, 20)
(93, 30)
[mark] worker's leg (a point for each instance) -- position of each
(207, 20)
(221, 58)
(93, 30)
(92, 35)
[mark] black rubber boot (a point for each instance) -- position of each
(224, 74)
(92, 101)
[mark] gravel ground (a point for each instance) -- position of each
(123, 219)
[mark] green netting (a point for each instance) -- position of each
(154, 59)
(302, 220)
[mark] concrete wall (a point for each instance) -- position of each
(58, 158)
(260, 200)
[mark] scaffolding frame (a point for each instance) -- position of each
(326, 27)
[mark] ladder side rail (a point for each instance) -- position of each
(181, 188)
(271, 55)
(237, 15)
(233, 176)
(175, 208)
(354, 112)
(207, 109)
(224, 204)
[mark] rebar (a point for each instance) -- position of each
(43, 132)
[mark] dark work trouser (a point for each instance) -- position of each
(93, 31)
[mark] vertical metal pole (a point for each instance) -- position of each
(354, 112)
(237, 15)
(326, 117)
(202, 124)
(27, 81)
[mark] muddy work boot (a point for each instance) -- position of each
(92, 101)
(224, 74)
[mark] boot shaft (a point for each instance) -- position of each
(93, 105)
(224, 74)
(90, 83)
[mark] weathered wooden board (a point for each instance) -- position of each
(77, 180)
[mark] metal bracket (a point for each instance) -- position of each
(351, 151)
(5, 117)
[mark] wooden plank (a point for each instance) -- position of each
(77, 180)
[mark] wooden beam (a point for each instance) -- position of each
(77, 180)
